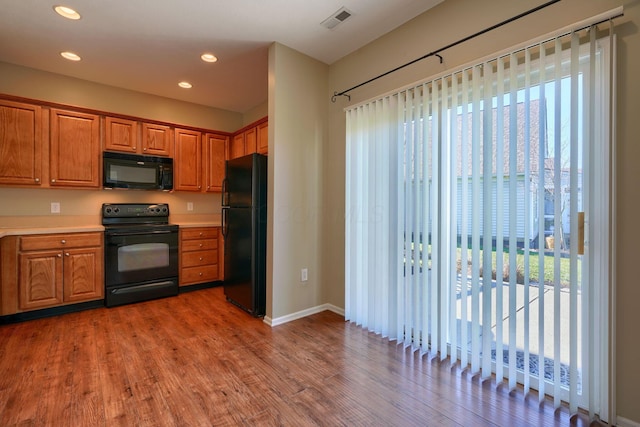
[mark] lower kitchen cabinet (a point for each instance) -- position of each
(59, 269)
(200, 255)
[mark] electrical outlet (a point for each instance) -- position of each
(304, 275)
(55, 207)
(189, 206)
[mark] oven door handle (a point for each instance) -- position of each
(138, 233)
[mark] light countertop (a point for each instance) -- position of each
(22, 225)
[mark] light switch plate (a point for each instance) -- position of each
(55, 207)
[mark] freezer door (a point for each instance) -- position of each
(239, 182)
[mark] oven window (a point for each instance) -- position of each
(138, 174)
(143, 256)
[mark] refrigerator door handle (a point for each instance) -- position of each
(224, 195)
(224, 222)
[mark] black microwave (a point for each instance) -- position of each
(137, 172)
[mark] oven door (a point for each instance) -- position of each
(140, 254)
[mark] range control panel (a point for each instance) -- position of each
(134, 210)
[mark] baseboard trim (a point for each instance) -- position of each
(623, 422)
(303, 313)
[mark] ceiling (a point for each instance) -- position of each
(149, 46)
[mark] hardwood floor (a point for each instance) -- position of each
(196, 360)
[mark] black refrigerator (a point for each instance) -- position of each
(244, 227)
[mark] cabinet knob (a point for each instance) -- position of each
(37, 179)
(59, 255)
(200, 244)
(200, 258)
(199, 187)
(200, 234)
(66, 254)
(53, 180)
(133, 147)
(200, 274)
(144, 149)
(63, 241)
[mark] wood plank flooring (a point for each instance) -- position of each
(196, 360)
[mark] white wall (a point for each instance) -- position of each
(297, 131)
(41, 85)
(80, 202)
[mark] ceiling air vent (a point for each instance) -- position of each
(338, 17)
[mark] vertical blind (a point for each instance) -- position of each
(466, 198)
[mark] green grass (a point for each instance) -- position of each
(534, 263)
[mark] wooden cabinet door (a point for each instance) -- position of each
(250, 141)
(40, 279)
(20, 143)
(263, 138)
(83, 274)
(75, 149)
(157, 140)
(121, 135)
(214, 159)
(236, 146)
(188, 160)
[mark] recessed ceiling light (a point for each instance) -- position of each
(208, 57)
(185, 85)
(70, 56)
(67, 12)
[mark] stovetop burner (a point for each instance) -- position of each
(135, 213)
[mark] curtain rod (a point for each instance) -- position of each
(437, 52)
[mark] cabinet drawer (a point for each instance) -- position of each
(59, 241)
(198, 245)
(192, 259)
(199, 274)
(199, 233)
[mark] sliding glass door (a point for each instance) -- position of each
(478, 217)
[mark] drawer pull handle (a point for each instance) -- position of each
(200, 258)
(200, 244)
(200, 274)
(63, 241)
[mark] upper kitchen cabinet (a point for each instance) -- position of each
(236, 146)
(131, 136)
(263, 138)
(188, 160)
(250, 139)
(74, 156)
(121, 135)
(21, 143)
(157, 140)
(213, 157)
